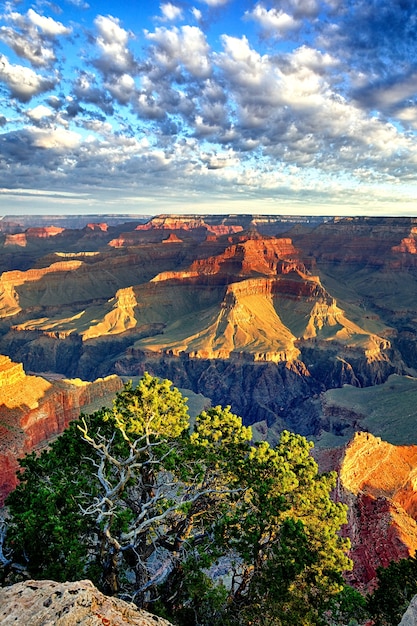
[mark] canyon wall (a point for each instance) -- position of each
(35, 409)
(378, 482)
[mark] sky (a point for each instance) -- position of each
(208, 106)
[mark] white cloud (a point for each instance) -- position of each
(186, 46)
(47, 25)
(23, 82)
(112, 43)
(274, 21)
(122, 88)
(54, 138)
(215, 3)
(36, 51)
(40, 112)
(170, 12)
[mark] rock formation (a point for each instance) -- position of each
(34, 409)
(48, 603)
(410, 616)
(378, 483)
(22, 239)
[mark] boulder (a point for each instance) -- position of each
(48, 603)
(410, 616)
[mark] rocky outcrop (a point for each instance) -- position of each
(410, 616)
(10, 282)
(48, 603)
(258, 256)
(34, 410)
(22, 239)
(10, 373)
(98, 227)
(378, 483)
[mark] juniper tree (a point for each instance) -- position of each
(151, 509)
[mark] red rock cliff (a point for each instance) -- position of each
(378, 482)
(33, 410)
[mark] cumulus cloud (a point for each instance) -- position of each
(23, 82)
(40, 112)
(33, 36)
(170, 12)
(47, 25)
(112, 41)
(54, 138)
(185, 47)
(312, 101)
(86, 90)
(274, 21)
(121, 88)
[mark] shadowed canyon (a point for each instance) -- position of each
(305, 324)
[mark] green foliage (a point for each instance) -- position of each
(349, 608)
(212, 529)
(153, 408)
(396, 586)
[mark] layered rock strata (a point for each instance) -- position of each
(34, 410)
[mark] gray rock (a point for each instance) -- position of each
(410, 616)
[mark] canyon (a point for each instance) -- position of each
(306, 324)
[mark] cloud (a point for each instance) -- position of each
(53, 138)
(312, 105)
(275, 21)
(170, 12)
(184, 47)
(112, 40)
(389, 95)
(215, 3)
(23, 82)
(197, 14)
(47, 25)
(122, 88)
(40, 112)
(33, 37)
(87, 90)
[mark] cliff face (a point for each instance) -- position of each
(378, 482)
(32, 234)
(33, 410)
(37, 603)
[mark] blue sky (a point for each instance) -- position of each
(215, 106)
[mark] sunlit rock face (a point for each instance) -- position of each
(34, 409)
(64, 604)
(378, 481)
